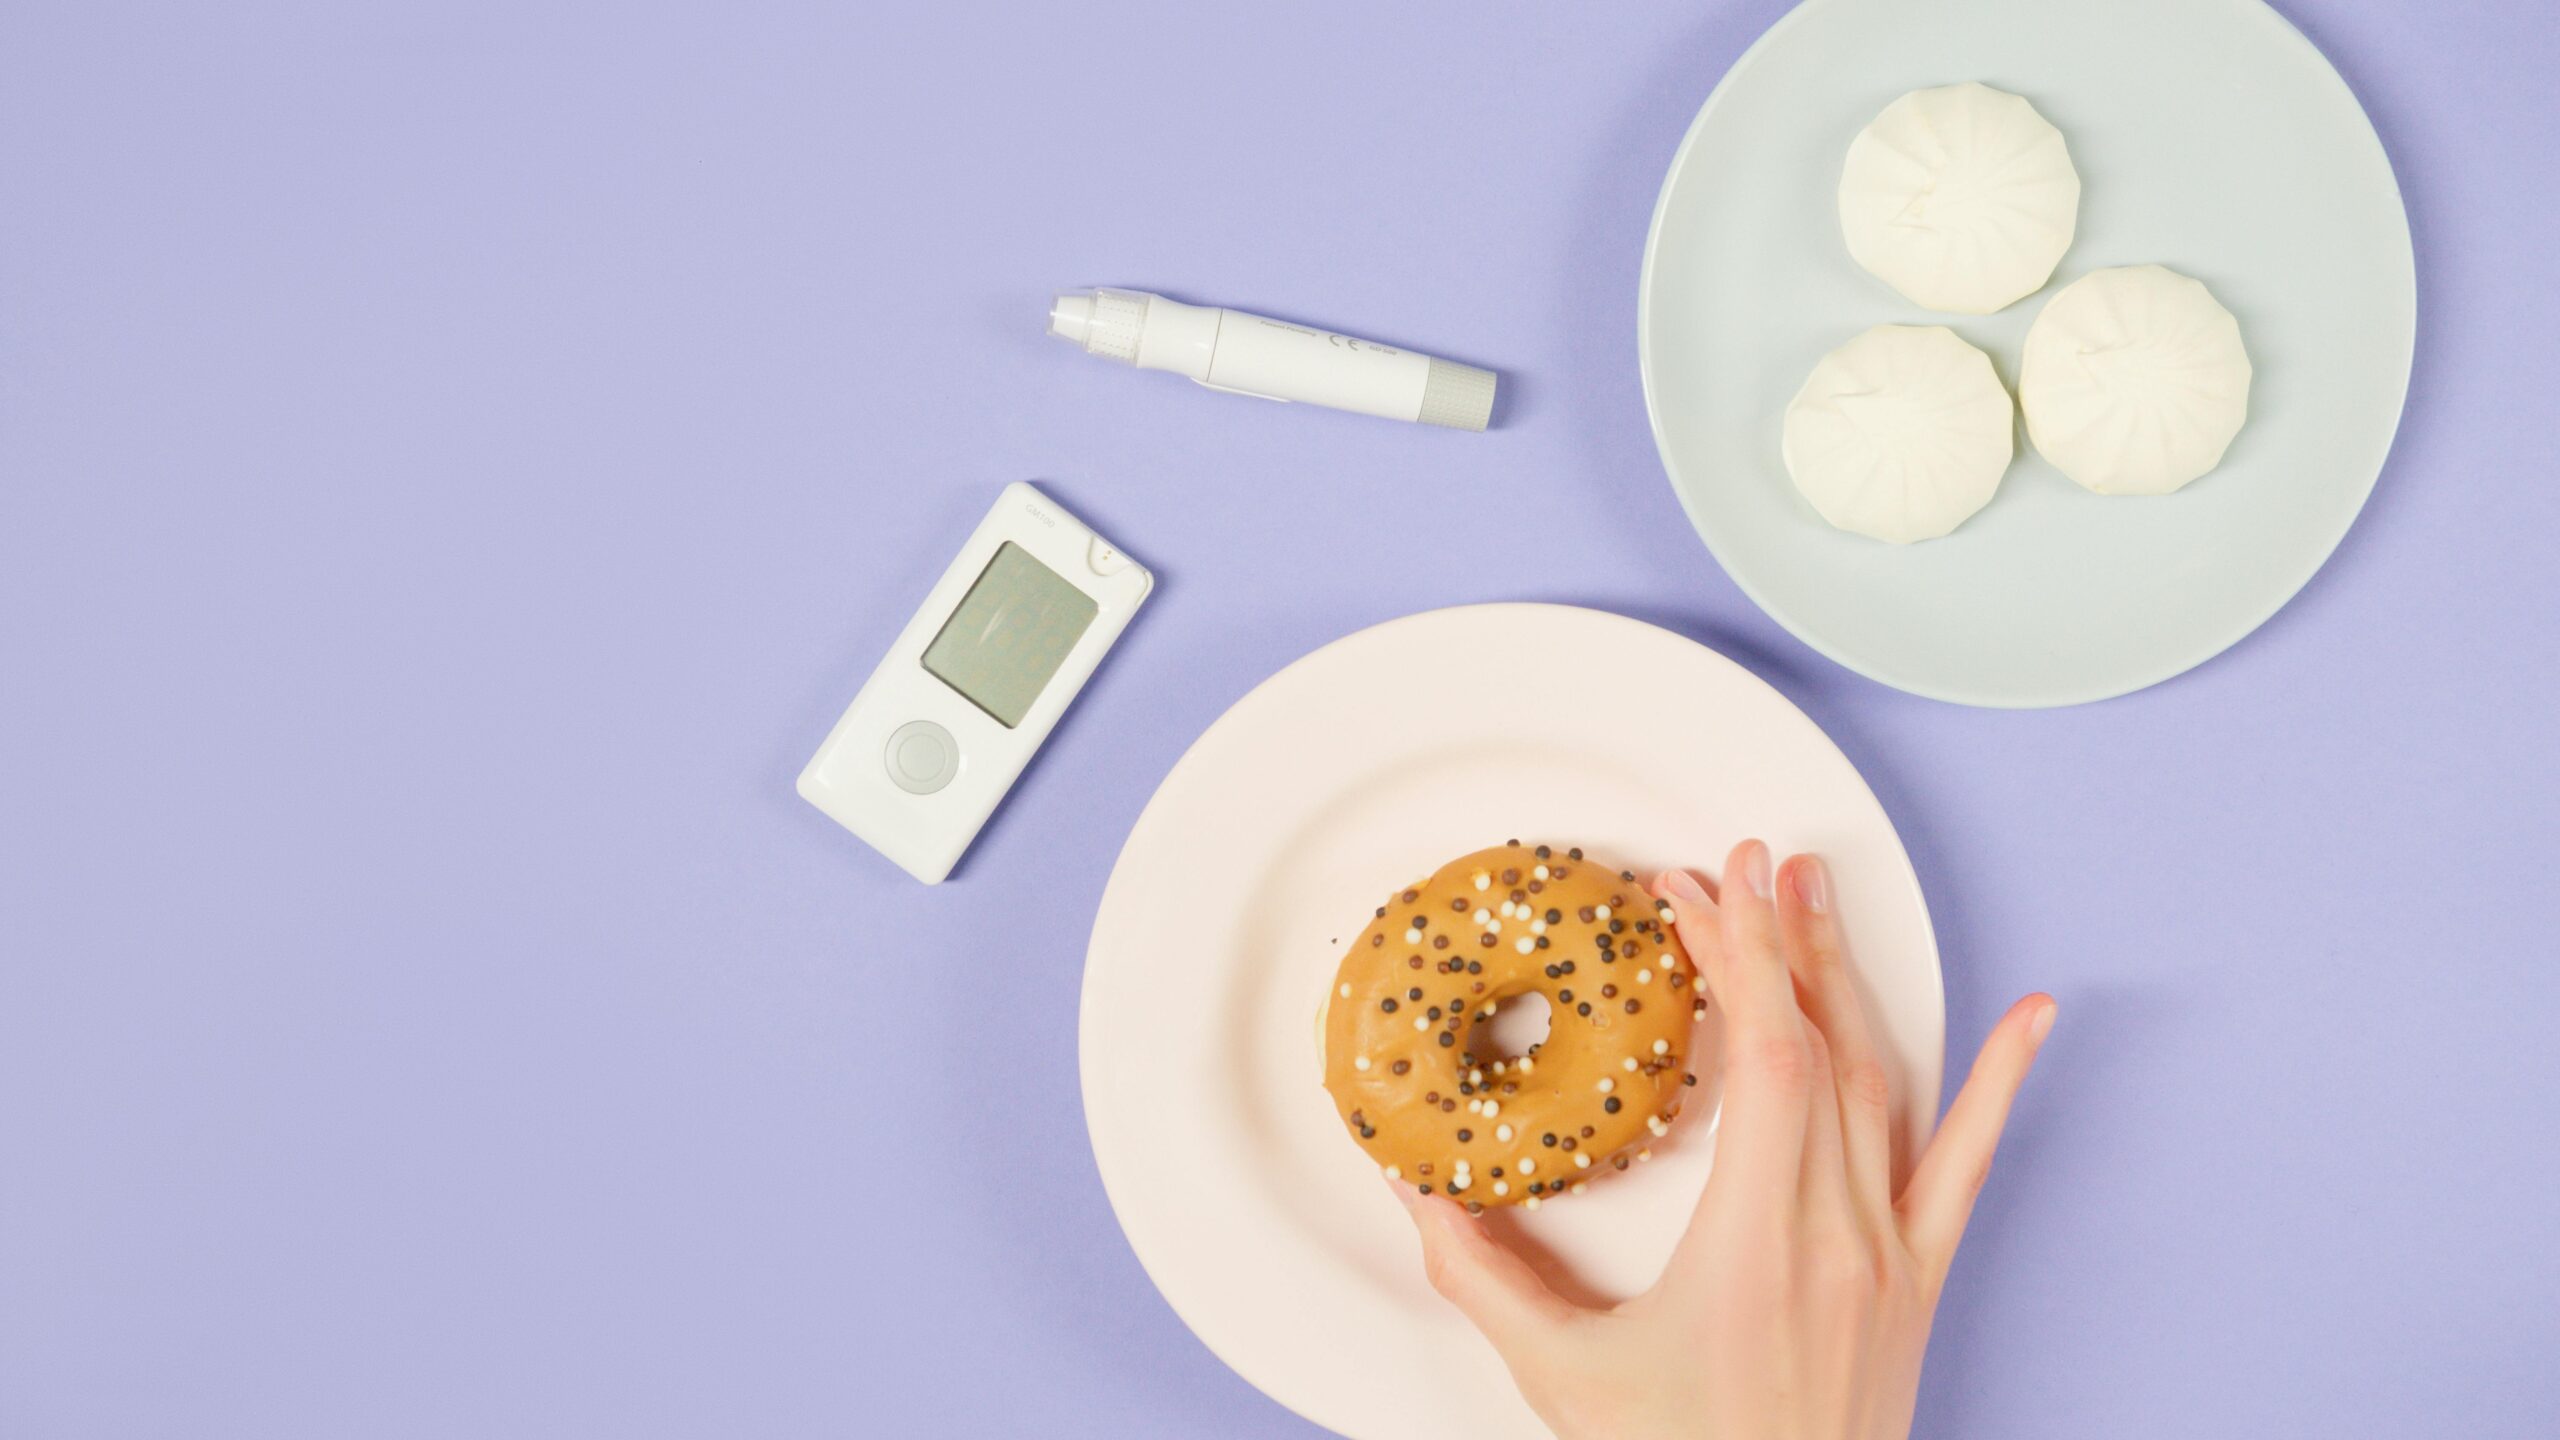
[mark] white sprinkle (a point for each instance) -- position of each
(1361, 1063)
(1529, 1204)
(1666, 912)
(1528, 1165)
(1577, 1187)
(1457, 1183)
(1526, 945)
(1394, 1172)
(1527, 1064)
(1605, 1085)
(1483, 880)
(1654, 1124)
(1346, 992)
(1485, 1014)
(1599, 912)
(1644, 1155)
(1501, 1132)
(1628, 1064)
(1493, 927)
(1540, 872)
(1501, 1187)
(1492, 1108)
(1482, 915)
(1537, 927)
(1509, 909)
(1644, 977)
(1476, 1077)
(1475, 1107)
(1413, 937)
(1661, 1047)
(1497, 1065)
(1421, 1022)
(1581, 1161)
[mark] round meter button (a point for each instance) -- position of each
(922, 757)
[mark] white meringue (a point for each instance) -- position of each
(2134, 380)
(1901, 434)
(1961, 197)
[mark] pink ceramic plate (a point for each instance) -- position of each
(1353, 771)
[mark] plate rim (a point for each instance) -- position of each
(1925, 1118)
(2023, 698)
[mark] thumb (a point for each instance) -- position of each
(1494, 1288)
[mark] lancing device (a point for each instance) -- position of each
(1274, 359)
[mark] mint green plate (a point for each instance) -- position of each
(2211, 137)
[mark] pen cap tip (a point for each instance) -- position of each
(1071, 315)
(1104, 322)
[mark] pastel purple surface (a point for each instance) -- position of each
(456, 461)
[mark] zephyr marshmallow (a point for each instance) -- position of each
(2134, 380)
(1901, 434)
(1961, 197)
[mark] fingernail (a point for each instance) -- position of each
(1755, 868)
(2040, 1026)
(1813, 884)
(1684, 885)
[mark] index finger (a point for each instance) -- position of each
(1760, 1137)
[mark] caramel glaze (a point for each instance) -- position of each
(1408, 1055)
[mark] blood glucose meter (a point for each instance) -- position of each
(974, 683)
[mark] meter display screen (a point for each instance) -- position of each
(1011, 633)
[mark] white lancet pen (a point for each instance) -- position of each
(1274, 359)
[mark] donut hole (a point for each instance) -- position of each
(1519, 1022)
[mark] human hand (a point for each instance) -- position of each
(1797, 1305)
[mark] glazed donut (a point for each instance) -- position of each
(1408, 1055)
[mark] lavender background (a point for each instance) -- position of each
(456, 460)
